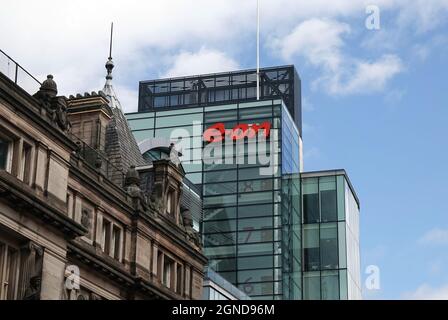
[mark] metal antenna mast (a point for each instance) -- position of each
(111, 34)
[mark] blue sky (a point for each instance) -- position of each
(375, 101)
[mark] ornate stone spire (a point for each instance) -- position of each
(108, 88)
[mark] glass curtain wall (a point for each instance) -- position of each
(251, 221)
(326, 275)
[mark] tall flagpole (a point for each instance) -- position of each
(258, 50)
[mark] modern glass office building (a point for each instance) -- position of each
(330, 236)
(274, 234)
(251, 219)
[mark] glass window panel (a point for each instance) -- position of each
(219, 166)
(222, 95)
(175, 133)
(330, 285)
(161, 87)
(224, 107)
(220, 252)
(277, 111)
(160, 102)
(341, 199)
(221, 116)
(180, 120)
(256, 197)
(259, 275)
(219, 226)
(254, 236)
(254, 223)
(219, 200)
(219, 265)
(343, 284)
(238, 79)
(143, 135)
(250, 173)
(254, 113)
(329, 246)
(311, 254)
(242, 93)
(219, 239)
(220, 188)
(255, 289)
(219, 176)
(311, 286)
(328, 201)
(175, 100)
(255, 185)
(222, 81)
(139, 115)
(259, 261)
(310, 200)
(256, 104)
(255, 249)
(229, 276)
(191, 167)
(251, 92)
(220, 213)
(342, 245)
(311, 208)
(196, 178)
(328, 207)
(255, 210)
(138, 124)
(177, 86)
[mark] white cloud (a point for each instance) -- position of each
(423, 15)
(128, 98)
(70, 39)
(318, 40)
(427, 292)
(369, 77)
(321, 42)
(203, 61)
(436, 236)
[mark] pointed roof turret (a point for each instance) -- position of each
(121, 147)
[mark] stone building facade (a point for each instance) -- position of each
(82, 214)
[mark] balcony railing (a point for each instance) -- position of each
(18, 74)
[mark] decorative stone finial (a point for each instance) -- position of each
(132, 177)
(49, 87)
(109, 67)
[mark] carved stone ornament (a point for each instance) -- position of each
(191, 234)
(132, 185)
(33, 267)
(85, 218)
(56, 107)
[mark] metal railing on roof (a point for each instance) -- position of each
(14, 71)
